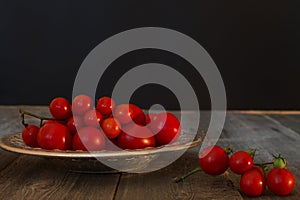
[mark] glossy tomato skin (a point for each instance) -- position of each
(135, 137)
(165, 132)
(280, 181)
(92, 118)
(214, 160)
(253, 182)
(81, 104)
(54, 136)
(88, 139)
(150, 116)
(126, 113)
(29, 135)
(105, 105)
(74, 123)
(240, 162)
(111, 127)
(60, 108)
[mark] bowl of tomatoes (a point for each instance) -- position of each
(84, 136)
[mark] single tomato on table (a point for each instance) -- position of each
(214, 160)
(280, 181)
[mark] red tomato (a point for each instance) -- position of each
(60, 108)
(135, 137)
(54, 136)
(149, 116)
(127, 113)
(111, 127)
(105, 105)
(29, 135)
(252, 182)
(280, 181)
(166, 132)
(92, 118)
(214, 160)
(75, 123)
(81, 104)
(88, 139)
(240, 162)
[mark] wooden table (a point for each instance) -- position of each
(30, 177)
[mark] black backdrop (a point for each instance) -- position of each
(42, 44)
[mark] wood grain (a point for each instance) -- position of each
(160, 184)
(267, 136)
(37, 178)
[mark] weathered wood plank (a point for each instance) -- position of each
(261, 132)
(160, 185)
(37, 178)
(290, 121)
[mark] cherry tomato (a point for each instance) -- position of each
(81, 104)
(92, 118)
(75, 123)
(54, 136)
(214, 160)
(252, 182)
(127, 113)
(240, 162)
(111, 127)
(29, 135)
(88, 139)
(133, 138)
(166, 132)
(60, 108)
(105, 105)
(150, 116)
(280, 181)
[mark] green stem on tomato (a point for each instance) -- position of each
(228, 150)
(23, 113)
(181, 178)
(266, 163)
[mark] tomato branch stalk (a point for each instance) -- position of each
(41, 118)
(181, 178)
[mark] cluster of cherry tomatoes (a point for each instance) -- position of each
(84, 125)
(215, 160)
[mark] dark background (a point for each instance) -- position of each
(253, 43)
